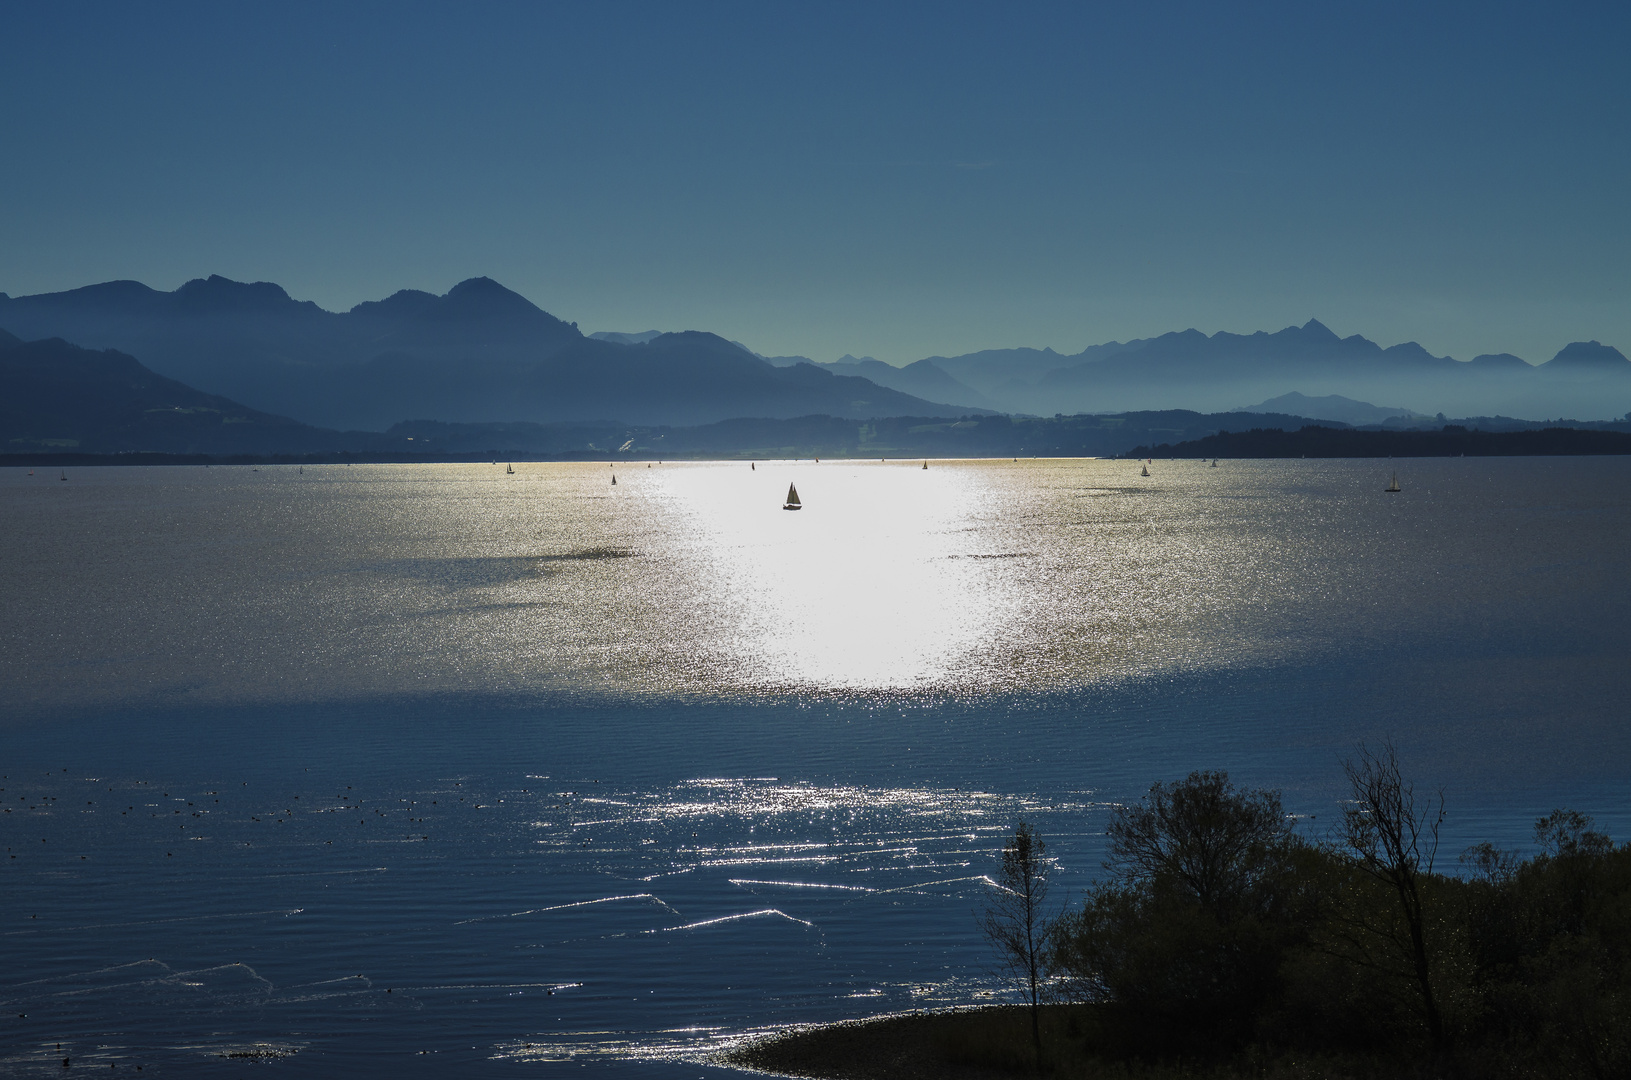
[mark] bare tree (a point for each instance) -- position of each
(1015, 919)
(1395, 842)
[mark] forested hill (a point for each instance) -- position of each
(1449, 441)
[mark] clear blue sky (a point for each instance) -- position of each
(893, 180)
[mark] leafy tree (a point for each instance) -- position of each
(1016, 920)
(1184, 943)
(1215, 841)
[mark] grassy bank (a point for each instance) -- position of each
(992, 1043)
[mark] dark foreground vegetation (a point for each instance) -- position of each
(1452, 440)
(1225, 942)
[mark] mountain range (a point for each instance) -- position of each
(482, 354)
(61, 401)
(1191, 370)
(1194, 371)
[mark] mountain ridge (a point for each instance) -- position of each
(481, 352)
(478, 353)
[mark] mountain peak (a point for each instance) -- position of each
(217, 293)
(481, 296)
(1315, 328)
(1587, 352)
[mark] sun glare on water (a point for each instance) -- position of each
(868, 586)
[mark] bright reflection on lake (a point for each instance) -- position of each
(439, 770)
(233, 585)
(875, 583)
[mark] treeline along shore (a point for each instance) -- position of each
(815, 436)
(1452, 440)
(1227, 941)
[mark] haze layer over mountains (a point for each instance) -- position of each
(481, 353)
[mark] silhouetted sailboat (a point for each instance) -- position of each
(1144, 470)
(1214, 463)
(1393, 486)
(509, 469)
(925, 464)
(792, 502)
(614, 480)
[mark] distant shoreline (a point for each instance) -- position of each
(1318, 441)
(1309, 442)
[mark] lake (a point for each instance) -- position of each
(444, 771)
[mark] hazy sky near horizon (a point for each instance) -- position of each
(896, 180)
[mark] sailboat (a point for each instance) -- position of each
(1214, 463)
(509, 469)
(792, 502)
(1144, 470)
(1393, 486)
(64, 476)
(925, 464)
(614, 479)
(753, 466)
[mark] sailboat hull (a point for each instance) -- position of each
(792, 508)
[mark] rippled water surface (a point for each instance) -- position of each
(434, 770)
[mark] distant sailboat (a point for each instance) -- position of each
(752, 467)
(925, 464)
(302, 470)
(64, 476)
(1214, 463)
(792, 502)
(1393, 486)
(509, 469)
(614, 479)
(1144, 470)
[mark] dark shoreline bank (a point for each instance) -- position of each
(1317, 441)
(993, 1043)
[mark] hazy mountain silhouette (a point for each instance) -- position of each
(58, 397)
(1589, 354)
(1330, 407)
(479, 353)
(1191, 370)
(922, 378)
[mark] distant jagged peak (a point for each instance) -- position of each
(1587, 352)
(1315, 328)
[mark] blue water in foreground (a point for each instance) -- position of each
(434, 771)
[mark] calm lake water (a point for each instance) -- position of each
(439, 771)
